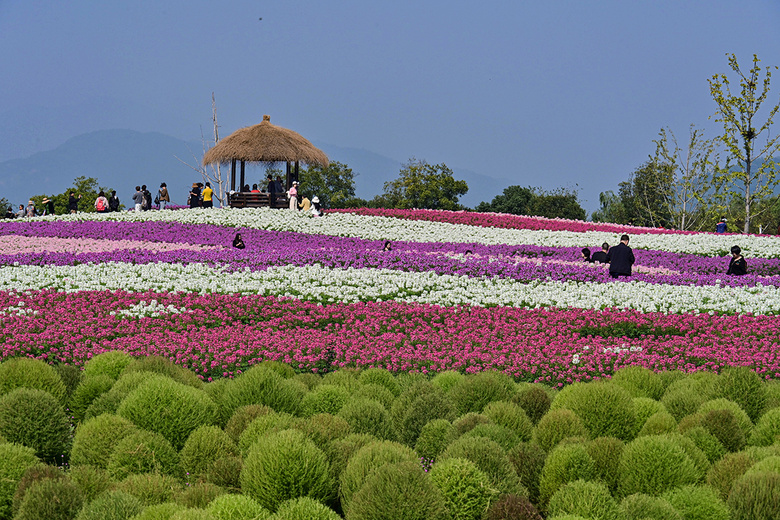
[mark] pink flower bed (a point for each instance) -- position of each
(16, 244)
(221, 335)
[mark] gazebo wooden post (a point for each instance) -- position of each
(297, 172)
(233, 175)
(288, 178)
(242, 176)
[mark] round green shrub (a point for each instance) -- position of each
(365, 461)
(400, 491)
(90, 389)
(690, 421)
(434, 437)
(242, 417)
(467, 422)
(346, 377)
(204, 446)
(260, 385)
(71, 377)
(658, 423)
(447, 379)
(111, 505)
(324, 399)
(490, 458)
(745, 424)
(512, 507)
(323, 428)
(474, 392)
(304, 507)
(587, 499)
(756, 497)
(502, 436)
(565, 463)
(466, 490)
(707, 443)
(31, 476)
(380, 376)
(534, 401)
(668, 377)
(511, 416)
(191, 514)
(639, 382)
(96, 438)
(606, 452)
(682, 400)
(159, 511)
(109, 402)
(110, 364)
(640, 507)
(555, 426)
(723, 425)
(36, 419)
(427, 407)
(653, 465)
(406, 380)
(90, 480)
(377, 393)
(339, 451)
(283, 369)
(50, 499)
(698, 503)
(768, 464)
(150, 488)
(606, 409)
(364, 416)
(199, 495)
(169, 408)
(22, 372)
(262, 426)
(743, 386)
(727, 470)
(762, 452)
(143, 452)
(407, 397)
(237, 507)
(15, 459)
(528, 460)
(165, 367)
(285, 465)
(644, 407)
(225, 472)
(767, 430)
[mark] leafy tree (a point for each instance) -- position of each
(644, 196)
(560, 203)
(755, 175)
(422, 185)
(334, 185)
(3, 205)
(515, 200)
(611, 209)
(87, 187)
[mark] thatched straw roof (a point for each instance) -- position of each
(265, 143)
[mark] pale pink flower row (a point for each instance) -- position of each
(15, 244)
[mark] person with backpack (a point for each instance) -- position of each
(101, 203)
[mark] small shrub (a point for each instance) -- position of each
(606, 409)
(644, 407)
(707, 443)
(32, 475)
(606, 452)
(690, 421)
(36, 419)
(698, 503)
(165, 367)
(22, 372)
(659, 423)
(768, 464)
(408, 396)
(50, 499)
(90, 480)
(767, 431)
(447, 379)
(555, 426)
(285, 465)
(283, 369)
(564, 464)
(528, 460)
(204, 446)
(682, 400)
(339, 452)
(169, 408)
(71, 377)
(640, 506)
(242, 417)
(406, 380)
(723, 425)
(96, 439)
(89, 390)
(143, 452)
(15, 459)
(369, 417)
(324, 399)
(434, 437)
(150, 488)
(401, 491)
(159, 512)
(199, 495)
(756, 497)
(304, 507)
(426, 407)
(262, 426)
(639, 382)
(587, 499)
(380, 376)
(474, 392)
(745, 424)
(727, 470)
(311, 381)
(654, 465)
(377, 393)
(344, 377)
(323, 428)
(491, 459)
(512, 507)
(109, 402)
(511, 416)
(109, 364)
(225, 472)
(502, 436)
(743, 386)
(237, 507)
(466, 490)
(191, 514)
(534, 401)
(466, 423)
(111, 505)
(260, 385)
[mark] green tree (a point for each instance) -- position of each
(559, 203)
(334, 185)
(611, 209)
(644, 196)
(87, 187)
(423, 185)
(755, 174)
(514, 200)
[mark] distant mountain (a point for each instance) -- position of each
(122, 159)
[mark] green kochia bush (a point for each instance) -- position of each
(242, 417)
(504, 437)
(50, 499)
(109, 402)
(199, 495)
(160, 511)
(169, 408)
(528, 461)
(605, 408)
(512, 507)
(303, 507)
(606, 452)
(141, 452)
(491, 459)
(339, 451)
(112, 505)
(366, 416)
(767, 429)
(237, 507)
(375, 392)
(658, 423)
(380, 376)
(707, 443)
(96, 439)
(32, 476)
(151, 488)
(164, 367)
(91, 481)
(587, 499)
(285, 465)
(15, 459)
(22, 372)
(555, 426)
(723, 425)
(698, 503)
(434, 437)
(727, 470)
(467, 491)
(534, 401)
(203, 447)
(743, 386)
(109, 364)
(640, 506)
(566, 463)
(323, 428)
(88, 390)
(36, 419)
(639, 382)
(260, 385)
(756, 497)
(263, 425)
(745, 424)
(426, 407)
(511, 416)
(654, 465)
(325, 399)
(474, 392)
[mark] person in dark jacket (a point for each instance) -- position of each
(586, 254)
(238, 242)
(737, 264)
(600, 256)
(620, 258)
(73, 202)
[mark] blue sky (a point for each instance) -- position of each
(543, 94)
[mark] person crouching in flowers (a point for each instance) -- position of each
(238, 242)
(586, 254)
(737, 264)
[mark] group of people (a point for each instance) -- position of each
(200, 196)
(142, 198)
(621, 259)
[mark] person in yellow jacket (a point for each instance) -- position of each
(305, 205)
(208, 196)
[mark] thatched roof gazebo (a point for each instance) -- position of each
(265, 143)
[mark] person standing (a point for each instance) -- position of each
(271, 190)
(162, 195)
(737, 264)
(48, 205)
(73, 202)
(113, 202)
(147, 203)
(208, 196)
(30, 210)
(138, 199)
(721, 226)
(101, 203)
(195, 195)
(293, 194)
(620, 258)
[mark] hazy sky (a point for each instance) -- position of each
(544, 94)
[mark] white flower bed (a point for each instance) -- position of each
(351, 285)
